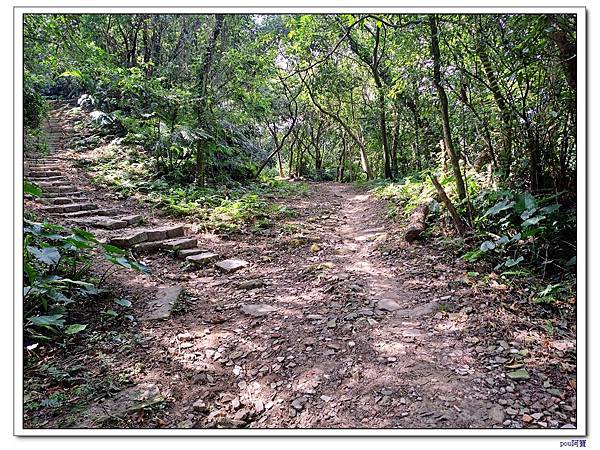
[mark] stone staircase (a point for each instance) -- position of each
(62, 198)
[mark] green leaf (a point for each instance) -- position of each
(84, 235)
(533, 221)
(498, 207)
(487, 245)
(113, 250)
(75, 328)
(54, 320)
(502, 240)
(47, 255)
(31, 189)
(71, 73)
(524, 202)
(513, 262)
(550, 209)
(123, 302)
(572, 261)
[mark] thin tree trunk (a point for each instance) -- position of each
(364, 160)
(456, 218)
(443, 98)
(202, 106)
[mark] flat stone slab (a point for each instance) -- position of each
(159, 234)
(146, 247)
(161, 306)
(106, 223)
(202, 259)
(258, 310)
(42, 174)
(231, 265)
(58, 189)
(183, 254)
(95, 212)
(60, 200)
(123, 403)
(61, 195)
(73, 207)
(175, 231)
(130, 239)
(132, 219)
(386, 304)
(179, 244)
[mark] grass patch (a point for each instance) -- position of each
(225, 208)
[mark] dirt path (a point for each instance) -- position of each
(336, 322)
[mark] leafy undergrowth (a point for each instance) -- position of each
(515, 237)
(228, 208)
(66, 311)
(59, 281)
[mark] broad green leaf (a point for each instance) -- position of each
(498, 207)
(550, 209)
(513, 262)
(47, 255)
(533, 221)
(31, 189)
(487, 245)
(54, 320)
(75, 328)
(572, 261)
(524, 202)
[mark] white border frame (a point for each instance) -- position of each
(274, 7)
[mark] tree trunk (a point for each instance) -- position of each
(364, 160)
(417, 223)
(202, 106)
(342, 162)
(200, 156)
(456, 218)
(505, 114)
(566, 48)
(437, 81)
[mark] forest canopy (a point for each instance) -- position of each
(332, 96)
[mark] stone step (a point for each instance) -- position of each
(66, 189)
(49, 195)
(176, 245)
(202, 259)
(231, 265)
(54, 179)
(110, 223)
(162, 305)
(56, 209)
(56, 183)
(132, 219)
(183, 254)
(42, 173)
(107, 223)
(96, 212)
(171, 245)
(155, 234)
(42, 167)
(62, 200)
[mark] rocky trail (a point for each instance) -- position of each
(329, 320)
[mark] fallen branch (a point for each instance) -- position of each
(418, 222)
(456, 218)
